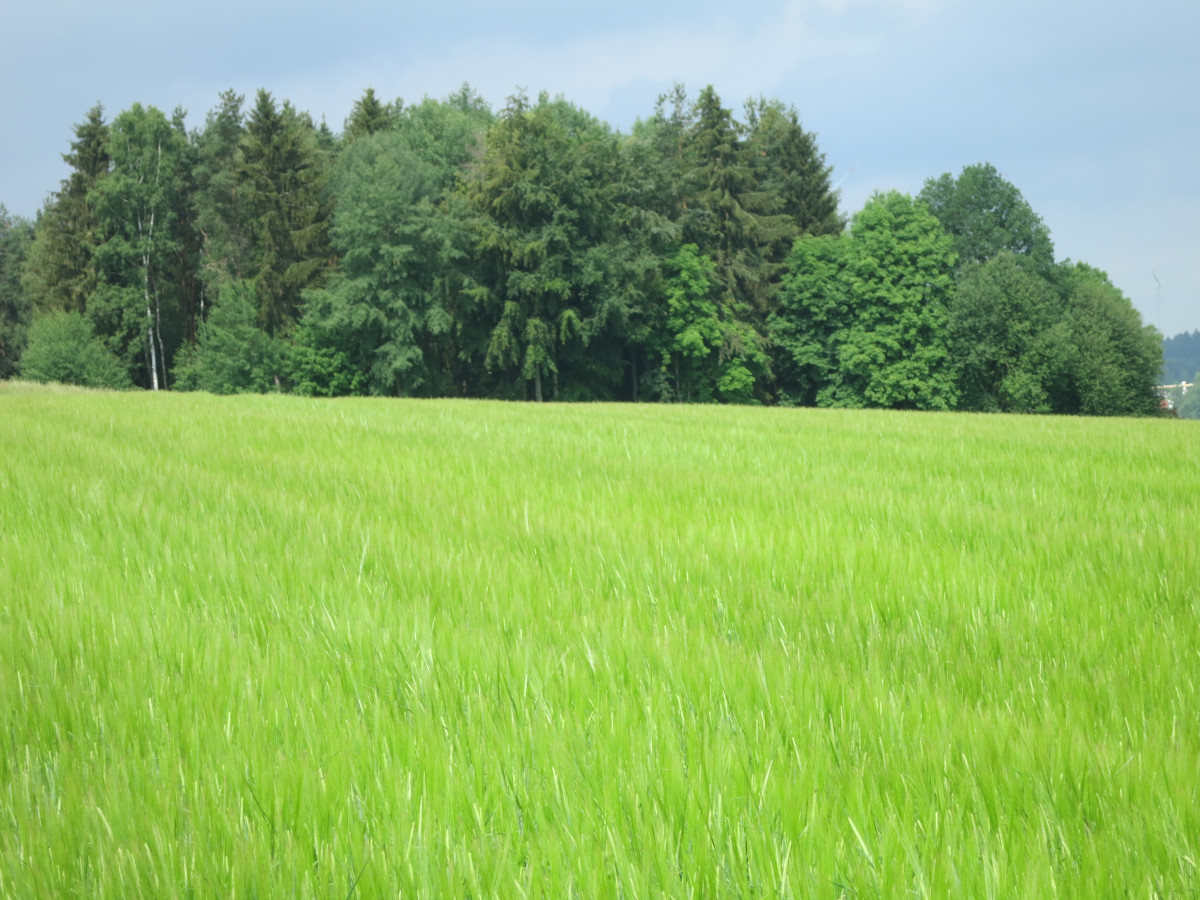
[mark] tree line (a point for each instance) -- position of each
(444, 249)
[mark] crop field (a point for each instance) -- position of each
(277, 647)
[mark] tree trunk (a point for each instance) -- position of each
(537, 385)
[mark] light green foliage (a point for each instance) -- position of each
(64, 349)
(706, 355)
(862, 319)
(986, 215)
(331, 649)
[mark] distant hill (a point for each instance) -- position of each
(1181, 357)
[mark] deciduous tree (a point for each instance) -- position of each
(863, 318)
(136, 304)
(985, 214)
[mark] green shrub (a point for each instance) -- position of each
(63, 348)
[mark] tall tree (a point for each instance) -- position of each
(1004, 337)
(382, 310)
(61, 273)
(370, 115)
(136, 305)
(703, 355)
(219, 211)
(1116, 358)
(390, 321)
(791, 169)
(281, 175)
(863, 318)
(985, 214)
(16, 309)
(539, 196)
(729, 216)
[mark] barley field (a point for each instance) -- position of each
(277, 647)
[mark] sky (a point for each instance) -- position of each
(1092, 109)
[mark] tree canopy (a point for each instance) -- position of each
(441, 249)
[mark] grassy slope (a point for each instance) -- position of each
(277, 647)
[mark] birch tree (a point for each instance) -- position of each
(135, 305)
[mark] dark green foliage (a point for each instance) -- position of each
(232, 355)
(436, 249)
(1116, 359)
(381, 309)
(541, 196)
(281, 175)
(136, 304)
(16, 308)
(729, 213)
(1073, 345)
(985, 215)
(63, 348)
(61, 273)
(791, 169)
(371, 116)
(220, 216)
(1004, 337)
(862, 319)
(391, 311)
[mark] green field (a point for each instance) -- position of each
(276, 647)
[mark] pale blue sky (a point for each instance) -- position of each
(1092, 109)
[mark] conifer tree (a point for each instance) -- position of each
(370, 116)
(730, 217)
(61, 273)
(281, 176)
(219, 215)
(16, 313)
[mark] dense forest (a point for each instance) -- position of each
(444, 249)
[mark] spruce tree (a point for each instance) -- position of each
(281, 175)
(61, 273)
(16, 313)
(370, 116)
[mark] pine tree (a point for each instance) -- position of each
(61, 273)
